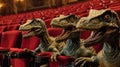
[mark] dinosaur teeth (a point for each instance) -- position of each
(95, 37)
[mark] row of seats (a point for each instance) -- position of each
(11, 27)
(80, 9)
(13, 40)
(10, 39)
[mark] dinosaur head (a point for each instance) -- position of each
(33, 27)
(68, 23)
(101, 22)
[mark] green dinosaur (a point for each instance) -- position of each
(105, 27)
(74, 47)
(37, 27)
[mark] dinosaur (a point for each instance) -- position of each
(104, 25)
(37, 27)
(74, 47)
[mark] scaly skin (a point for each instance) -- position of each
(105, 27)
(74, 47)
(37, 27)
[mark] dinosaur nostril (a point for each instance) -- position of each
(33, 29)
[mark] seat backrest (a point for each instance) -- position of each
(11, 39)
(30, 43)
(47, 22)
(3, 28)
(13, 27)
(54, 31)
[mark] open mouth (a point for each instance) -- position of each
(96, 36)
(99, 35)
(31, 32)
(66, 33)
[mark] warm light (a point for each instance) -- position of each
(19, 0)
(1, 5)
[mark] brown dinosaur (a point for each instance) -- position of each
(37, 27)
(74, 47)
(105, 27)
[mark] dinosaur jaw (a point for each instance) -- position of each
(66, 33)
(95, 37)
(99, 35)
(28, 34)
(32, 32)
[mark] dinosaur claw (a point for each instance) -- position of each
(82, 61)
(54, 57)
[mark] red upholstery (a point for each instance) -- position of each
(54, 31)
(13, 27)
(47, 22)
(30, 43)
(18, 62)
(11, 39)
(3, 28)
(62, 60)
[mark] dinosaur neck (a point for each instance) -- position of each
(113, 40)
(45, 39)
(73, 43)
(111, 45)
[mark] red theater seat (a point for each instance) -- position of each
(47, 22)
(54, 31)
(29, 43)
(3, 28)
(11, 39)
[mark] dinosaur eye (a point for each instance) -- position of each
(107, 18)
(72, 19)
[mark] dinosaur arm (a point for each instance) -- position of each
(95, 60)
(38, 49)
(55, 51)
(84, 60)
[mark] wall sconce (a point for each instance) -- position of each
(19, 0)
(1, 5)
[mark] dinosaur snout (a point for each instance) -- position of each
(81, 23)
(24, 28)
